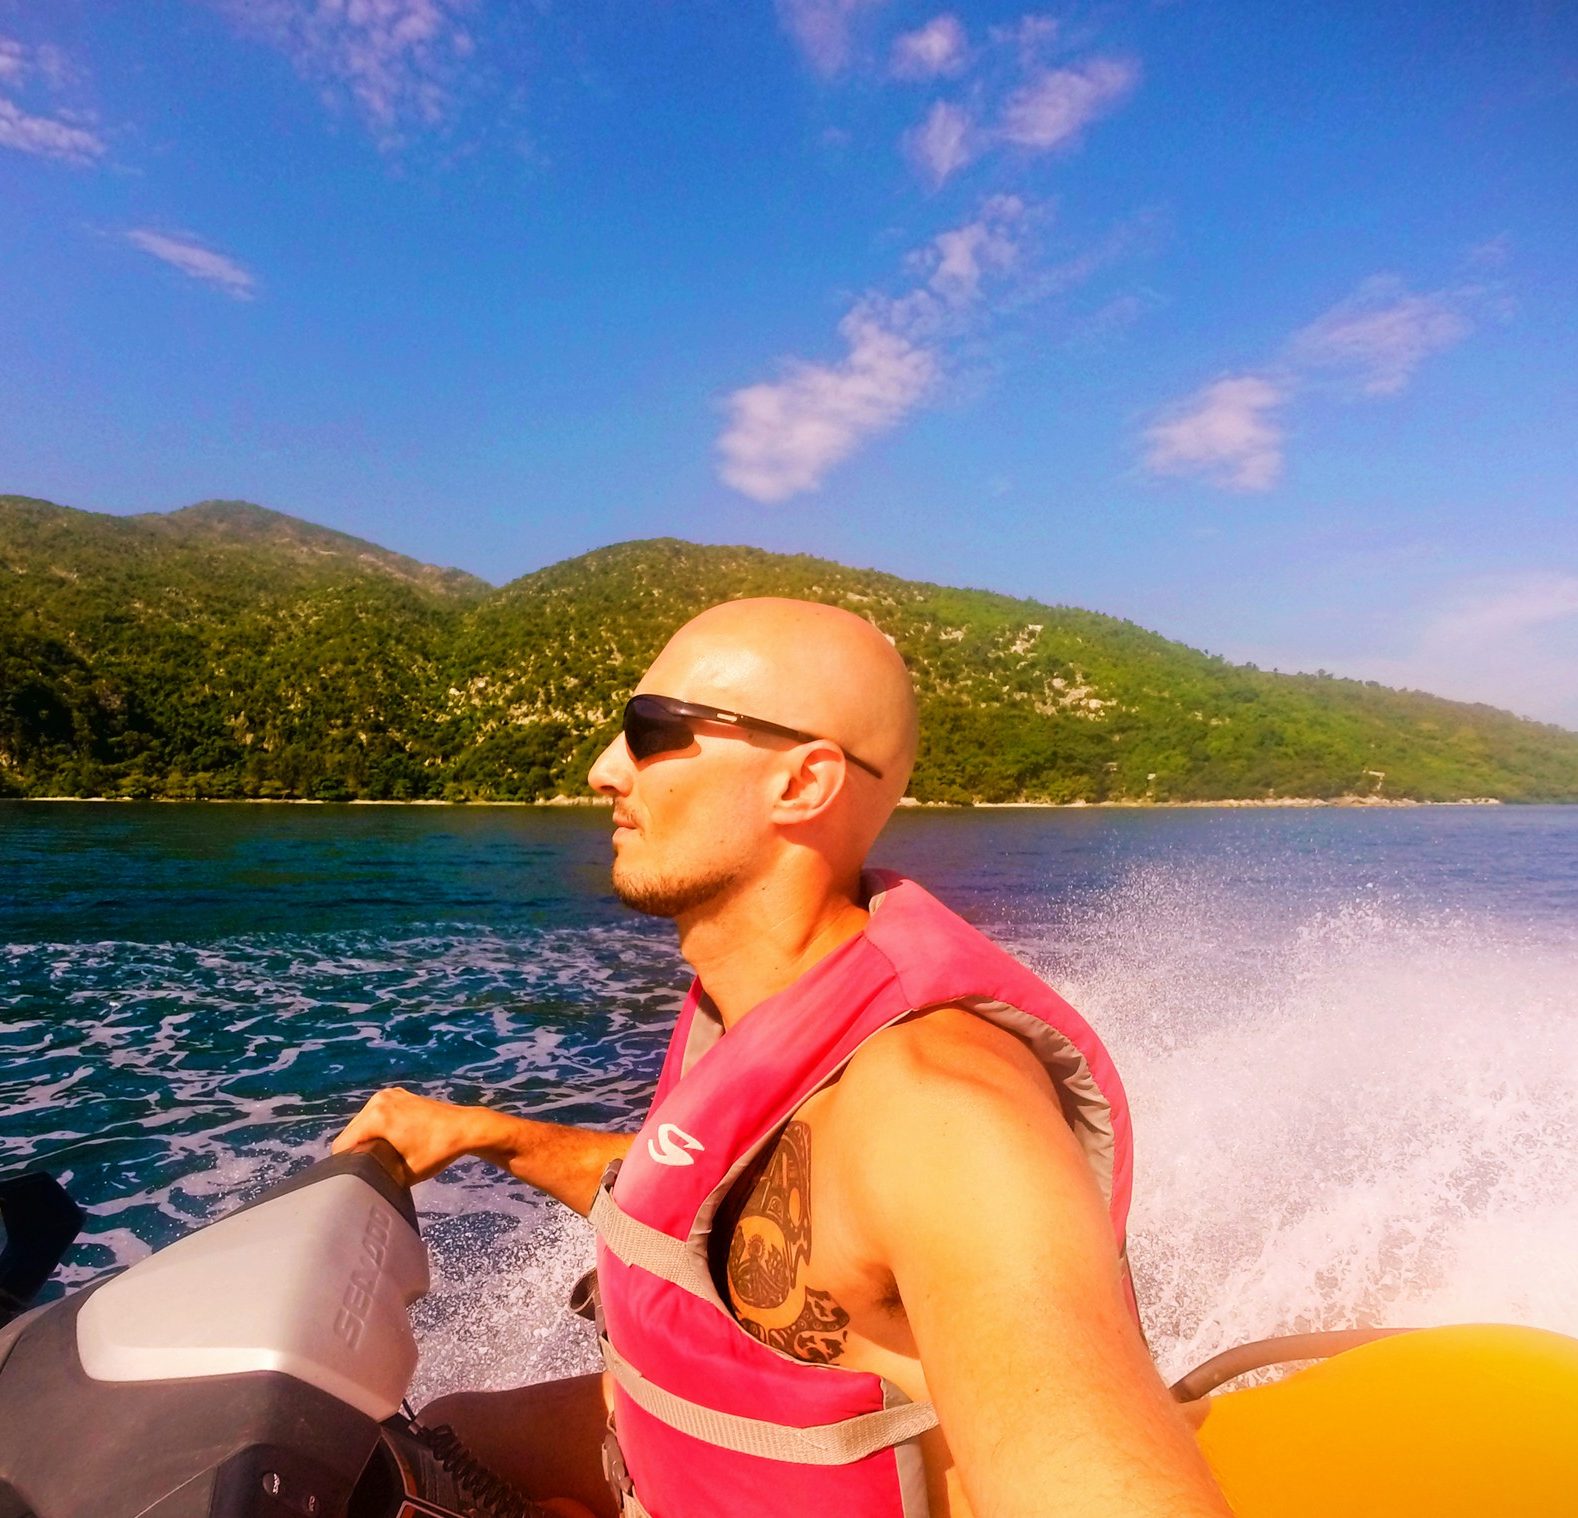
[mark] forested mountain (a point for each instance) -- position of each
(226, 650)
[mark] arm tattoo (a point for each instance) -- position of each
(770, 1253)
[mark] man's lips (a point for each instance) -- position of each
(624, 820)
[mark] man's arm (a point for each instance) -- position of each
(565, 1162)
(974, 1194)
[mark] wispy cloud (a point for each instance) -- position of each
(1511, 607)
(20, 61)
(1229, 432)
(1030, 35)
(938, 49)
(823, 29)
(1380, 334)
(1509, 640)
(943, 143)
(1016, 102)
(47, 136)
(62, 135)
(1492, 253)
(1367, 346)
(1058, 104)
(196, 261)
(396, 60)
(959, 258)
(784, 436)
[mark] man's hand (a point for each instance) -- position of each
(428, 1135)
(565, 1162)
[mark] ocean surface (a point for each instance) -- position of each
(1350, 1037)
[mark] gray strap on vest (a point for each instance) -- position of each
(626, 1503)
(823, 1444)
(649, 1248)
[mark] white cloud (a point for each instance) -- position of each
(939, 48)
(47, 136)
(942, 144)
(1059, 103)
(1049, 111)
(1030, 34)
(1490, 254)
(962, 255)
(196, 261)
(19, 61)
(784, 436)
(1228, 432)
(1371, 343)
(1381, 334)
(822, 29)
(396, 59)
(63, 135)
(1508, 640)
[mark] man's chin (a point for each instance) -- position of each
(667, 895)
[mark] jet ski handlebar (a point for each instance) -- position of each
(1264, 1353)
(389, 1159)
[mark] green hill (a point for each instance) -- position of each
(226, 650)
(221, 650)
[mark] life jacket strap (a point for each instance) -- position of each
(839, 1443)
(626, 1503)
(639, 1244)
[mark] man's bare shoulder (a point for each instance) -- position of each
(948, 1089)
(944, 1055)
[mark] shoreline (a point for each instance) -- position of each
(907, 803)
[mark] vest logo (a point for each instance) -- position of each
(671, 1145)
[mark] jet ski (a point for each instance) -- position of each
(258, 1369)
(255, 1369)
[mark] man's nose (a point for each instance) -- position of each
(612, 769)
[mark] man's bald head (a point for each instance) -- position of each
(808, 666)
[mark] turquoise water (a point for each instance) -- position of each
(1351, 1037)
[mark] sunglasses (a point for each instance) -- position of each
(662, 725)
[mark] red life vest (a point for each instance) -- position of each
(710, 1422)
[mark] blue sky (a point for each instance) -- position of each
(1257, 325)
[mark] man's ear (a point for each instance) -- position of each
(810, 783)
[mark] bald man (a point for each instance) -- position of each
(864, 1257)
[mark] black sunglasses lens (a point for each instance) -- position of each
(650, 730)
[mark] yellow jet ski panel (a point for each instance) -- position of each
(1464, 1422)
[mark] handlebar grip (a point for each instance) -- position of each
(389, 1158)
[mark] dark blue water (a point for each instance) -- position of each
(1351, 1037)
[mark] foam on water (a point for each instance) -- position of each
(1347, 1111)
(165, 1082)
(1349, 1106)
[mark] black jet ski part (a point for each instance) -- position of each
(241, 1427)
(432, 1471)
(40, 1224)
(479, 1484)
(198, 1447)
(358, 1162)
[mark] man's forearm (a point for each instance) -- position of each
(565, 1162)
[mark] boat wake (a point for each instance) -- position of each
(1348, 1111)
(1349, 1108)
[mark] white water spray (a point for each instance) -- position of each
(1360, 1114)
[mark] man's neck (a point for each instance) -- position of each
(764, 940)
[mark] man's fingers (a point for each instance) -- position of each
(371, 1122)
(425, 1134)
